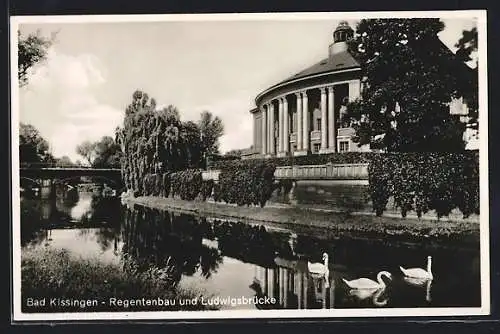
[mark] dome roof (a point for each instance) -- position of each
(340, 61)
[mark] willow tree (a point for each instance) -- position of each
(155, 141)
(409, 79)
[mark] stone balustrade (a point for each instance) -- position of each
(324, 172)
(311, 172)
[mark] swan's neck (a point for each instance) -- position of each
(379, 279)
(429, 265)
(326, 261)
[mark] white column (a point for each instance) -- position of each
(264, 130)
(299, 121)
(286, 124)
(354, 89)
(324, 127)
(305, 121)
(271, 119)
(281, 137)
(285, 284)
(268, 128)
(281, 284)
(332, 132)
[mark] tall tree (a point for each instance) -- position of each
(32, 49)
(107, 153)
(409, 79)
(157, 141)
(211, 129)
(466, 46)
(33, 148)
(104, 153)
(87, 151)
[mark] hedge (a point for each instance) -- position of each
(417, 181)
(186, 184)
(425, 182)
(246, 182)
(313, 159)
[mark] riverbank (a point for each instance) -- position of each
(450, 233)
(53, 280)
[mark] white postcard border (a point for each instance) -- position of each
(15, 21)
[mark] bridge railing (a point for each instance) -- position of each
(49, 165)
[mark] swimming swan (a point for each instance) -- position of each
(375, 295)
(419, 272)
(320, 269)
(366, 283)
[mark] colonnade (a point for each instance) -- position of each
(277, 136)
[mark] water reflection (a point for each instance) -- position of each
(228, 258)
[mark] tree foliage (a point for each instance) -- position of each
(33, 148)
(468, 45)
(104, 153)
(211, 129)
(156, 141)
(87, 151)
(107, 153)
(409, 78)
(32, 49)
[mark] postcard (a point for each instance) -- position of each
(273, 165)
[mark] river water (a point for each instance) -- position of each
(235, 259)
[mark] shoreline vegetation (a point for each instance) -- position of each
(417, 232)
(64, 280)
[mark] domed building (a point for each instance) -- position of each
(303, 113)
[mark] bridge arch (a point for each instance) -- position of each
(33, 181)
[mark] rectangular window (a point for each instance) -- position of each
(318, 124)
(344, 146)
(316, 148)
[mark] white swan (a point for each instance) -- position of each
(375, 294)
(419, 272)
(320, 269)
(366, 283)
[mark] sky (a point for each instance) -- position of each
(80, 92)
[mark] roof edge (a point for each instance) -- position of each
(306, 77)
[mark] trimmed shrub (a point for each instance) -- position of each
(206, 189)
(165, 185)
(186, 184)
(426, 181)
(246, 182)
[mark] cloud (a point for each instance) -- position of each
(60, 100)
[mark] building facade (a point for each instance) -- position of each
(303, 114)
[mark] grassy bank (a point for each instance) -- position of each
(337, 225)
(59, 276)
